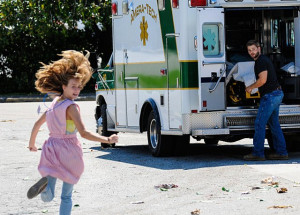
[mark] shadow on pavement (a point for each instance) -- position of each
(198, 156)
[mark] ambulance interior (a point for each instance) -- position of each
(275, 30)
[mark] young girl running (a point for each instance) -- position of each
(62, 153)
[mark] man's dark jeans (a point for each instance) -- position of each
(268, 113)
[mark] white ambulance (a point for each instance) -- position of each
(178, 70)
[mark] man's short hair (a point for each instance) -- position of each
(252, 42)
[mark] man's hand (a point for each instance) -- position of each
(248, 89)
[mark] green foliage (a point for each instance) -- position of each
(34, 31)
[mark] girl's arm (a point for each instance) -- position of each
(73, 114)
(35, 131)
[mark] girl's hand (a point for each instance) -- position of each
(32, 148)
(113, 139)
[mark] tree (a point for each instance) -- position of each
(34, 31)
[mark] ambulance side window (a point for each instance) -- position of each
(211, 39)
(290, 32)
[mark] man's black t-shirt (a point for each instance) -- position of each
(263, 63)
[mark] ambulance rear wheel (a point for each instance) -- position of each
(211, 141)
(270, 142)
(104, 131)
(292, 143)
(181, 144)
(157, 143)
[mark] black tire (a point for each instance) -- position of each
(158, 144)
(270, 143)
(97, 115)
(211, 141)
(181, 145)
(104, 131)
(292, 142)
(97, 112)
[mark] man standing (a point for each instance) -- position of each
(268, 112)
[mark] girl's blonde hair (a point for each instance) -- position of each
(73, 64)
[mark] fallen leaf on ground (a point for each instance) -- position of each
(165, 187)
(196, 212)
(282, 190)
(138, 202)
(246, 192)
(7, 120)
(256, 188)
(270, 181)
(267, 180)
(44, 211)
(224, 189)
(281, 206)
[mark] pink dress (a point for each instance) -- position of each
(62, 155)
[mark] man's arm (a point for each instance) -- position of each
(262, 79)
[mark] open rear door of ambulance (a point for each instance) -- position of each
(211, 58)
(297, 41)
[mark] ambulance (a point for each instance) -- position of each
(179, 70)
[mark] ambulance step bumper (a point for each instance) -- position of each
(213, 131)
(245, 121)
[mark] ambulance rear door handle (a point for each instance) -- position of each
(211, 63)
(173, 35)
(216, 85)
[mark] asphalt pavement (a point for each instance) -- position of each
(127, 180)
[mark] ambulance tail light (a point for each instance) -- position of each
(175, 3)
(198, 3)
(114, 8)
(96, 86)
